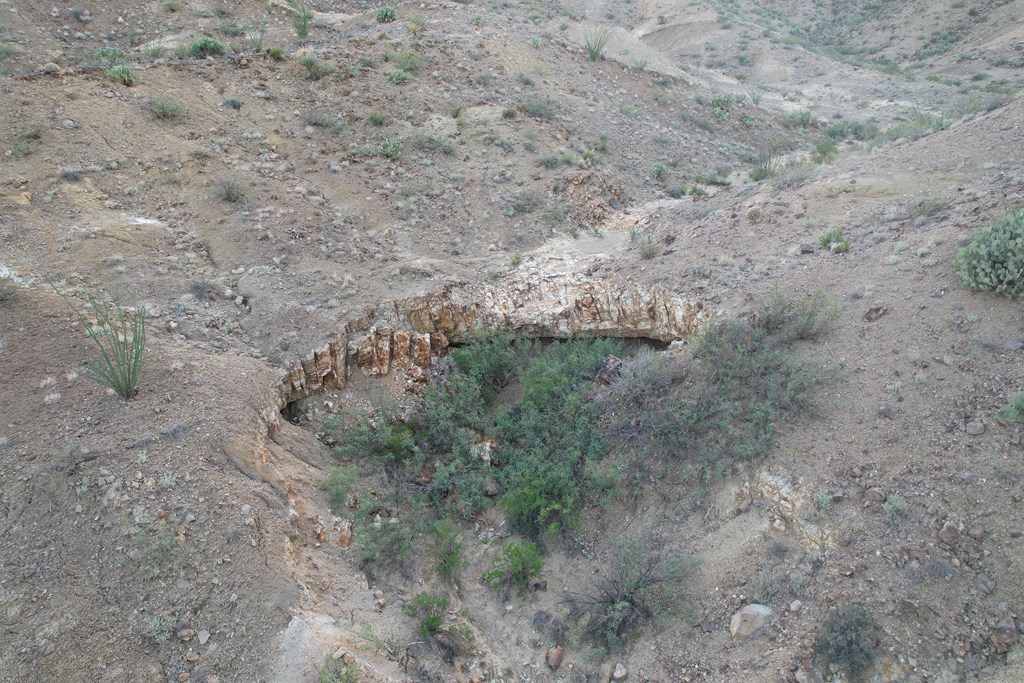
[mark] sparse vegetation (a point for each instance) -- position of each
(766, 163)
(158, 552)
(391, 148)
(160, 627)
(447, 551)
(122, 74)
(540, 108)
(399, 77)
(302, 19)
(994, 259)
(429, 609)
(644, 583)
(8, 287)
(386, 15)
(1012, 411)
(166, 107)
(230, 191)
(205, 46)
(515, 566)
(847, 640)
(595, 40)
(118, 333)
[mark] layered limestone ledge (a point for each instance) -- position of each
(408, 335)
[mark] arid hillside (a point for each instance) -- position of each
(519, 341)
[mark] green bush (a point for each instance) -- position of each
(515, 566)
(122, 74)
(847, 640)
(429, 609)
(315, 69)
(119, 335)
(643, 584)
(447, 551)
(205, 46)
(337, 671)
(166, 107)
(386, 15)
(399, 77)
(659, 170)
(105, 56)
(540, 108)
(301, 20)
(391, 148)
(994, 259)
(339, 484)
(1012, 411)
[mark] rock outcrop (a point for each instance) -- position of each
(407, 335)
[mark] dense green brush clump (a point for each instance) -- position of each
(995, 257)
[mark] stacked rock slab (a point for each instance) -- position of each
(409, 334)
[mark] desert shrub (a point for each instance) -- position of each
(230, 191)
(160, 628)
(391, 148)
(121, 74)
(158, 552)
(383, 541)
(847, 640)
(649, 249)
(276, 53)
(301, 20)
(447, 551)
(166, 107)
(433, 143)
(994, 259)
(895, 506)
(377, 118)
(205, 46)
(540, 108)
(339, 485)
(386, 15)
(118, 333)
(659, 170)
(766, 163)
(409, 62)
(337, 671)
(105, 56)
(766, 586)
(594, 41)
(429, 609)
(315, 68)
(8, 287)
(742, 384)
(1012, 411)
(399, 77)
(642, 584)
(515, 566)
(233, 103)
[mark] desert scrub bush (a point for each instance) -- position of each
(337, 671)
(158, 552)
(276, 53)
(160, 628)
(386, 15)
(230, 191)
(895, 506)
(399, 77)
(594, 40)
(205, 46)
(447, 551)
(659, 170)
(409, 62)
(642, 584)
(515, 566)
(649, 249)
(340, 484)
(429, 610)
(390, 148)
(105, 56)
(122, 74)
(1012, 411)
(835, 240)
(742, 383)
(847, 640)
(119, 335)
(766, 586)
(166, 107)
(994, 258)
(377, 118)
(383, 541)
(766, 163)
(540, 108)
(8, 287)
(302, 19)
(315, 68)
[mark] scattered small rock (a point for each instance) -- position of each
(875, 495)
(885, 411)
(795, 606)
(620, 673)
(554, 657)
(975, 427)
(877, 310)
(204, 636)
(949, 533)
(749, 620)
(1015, 345)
